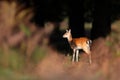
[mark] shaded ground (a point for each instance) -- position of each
(105, 65)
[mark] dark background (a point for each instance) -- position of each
(101, 13)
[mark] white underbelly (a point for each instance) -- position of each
(78, 47)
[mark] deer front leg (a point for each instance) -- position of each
(77, 55)
(73, 57)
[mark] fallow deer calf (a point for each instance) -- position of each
(78, 43)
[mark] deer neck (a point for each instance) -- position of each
(69, 38)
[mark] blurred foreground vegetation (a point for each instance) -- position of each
(21, 41)
(23, 44)
(113, 40)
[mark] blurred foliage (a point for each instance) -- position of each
(25, 29)
(113, 40)
(21, 40)
(38, 54)
(14, 60)
(108, 43)
(18, 40)
(8, 74)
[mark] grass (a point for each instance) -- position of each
(13, 67)
(14, 60)
(109, 43)
(114, 39)
(118, 53)
(25, 29)
(38, 54)
(8, 74)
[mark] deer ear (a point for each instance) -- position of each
(66, 30)
(69, 30)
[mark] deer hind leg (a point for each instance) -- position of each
(90, 60)
(87, 50)
(89, 57)
(77, 55)
(73, 57)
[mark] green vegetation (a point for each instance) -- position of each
(12, 65)
(22, 44)
(8, 74)
(25, 29)
(114, 40)
(38, 54)
(19, 42)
